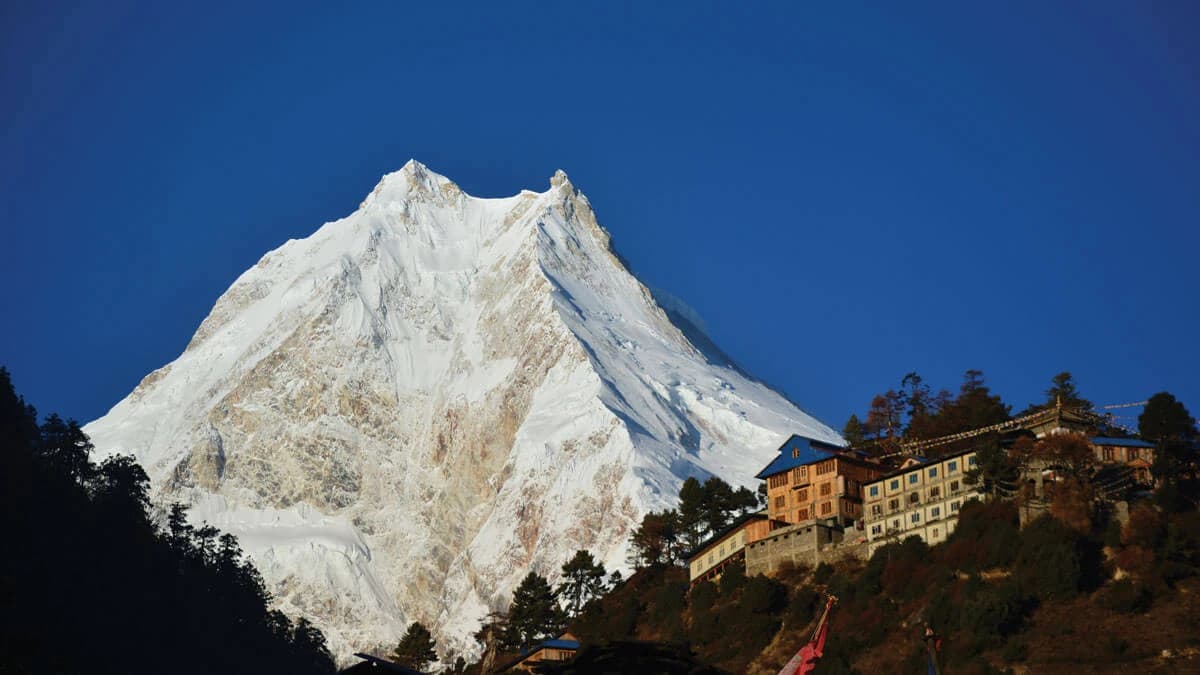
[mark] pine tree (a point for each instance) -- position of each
(1165, 418)
(995, 473)
(416, 648)
(534, 614)
(583, 579)
(854, 432)
(1167, 422)
(691, 504)
(656, 540)
(1064, 390)
(716, 505)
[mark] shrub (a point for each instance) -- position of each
(666, 609)
(1146, 527)
(1048, 560)
(703, 596)
(1124, 596)
(986, 536)
(732, 579)
(1136, 560)
(1182, 542)
(1015, 651)
(990, 613)
(802, 606)
(822, 573)
(763, 595)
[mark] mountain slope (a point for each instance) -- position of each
(403, 413)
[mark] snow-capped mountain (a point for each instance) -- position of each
(402, 414)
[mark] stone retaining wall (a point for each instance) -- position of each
(807, 544)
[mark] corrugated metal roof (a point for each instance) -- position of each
(809, 451)
(1121, 442)
(387, 665)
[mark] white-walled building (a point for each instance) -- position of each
(920, 499)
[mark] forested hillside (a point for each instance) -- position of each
(92, 582)
(1045, 599)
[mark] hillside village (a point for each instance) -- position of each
(875, 522)
(826, 503)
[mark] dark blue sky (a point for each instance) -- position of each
(844, 193)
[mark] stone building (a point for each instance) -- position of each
(804, 545)
(920, 499)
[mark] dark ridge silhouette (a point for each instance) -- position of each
(92, 583)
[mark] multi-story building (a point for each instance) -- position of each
(811, 480)
(1136, 454)
(727, 547)
(920, 499)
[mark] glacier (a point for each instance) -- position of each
(402, 414)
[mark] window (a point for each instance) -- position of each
(802, 515)
(802, 495)
(896, 524)
(914, 498)
(952, 466)
(935, 492)
(935, 512)
(780, 501)
(916, 518)
(935, 532)
(876, 529)
(795, 453)
(971, 460)
(777, 481)
(876, 510)
(913, 478)
(893, 504)
(826, 488)
(1133, 454)
(825, 467)
(1108, 454)
(874, 490)
(896, 484)
(826, 508)
(933, 472)
(796, 477)
(953, 486)
(953, 507)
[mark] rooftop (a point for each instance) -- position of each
(724, 532)
(806, 451)
(1121, 442)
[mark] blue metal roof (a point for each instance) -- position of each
(559, 644)
(809, 451)
(387, 665)
(1121, 442)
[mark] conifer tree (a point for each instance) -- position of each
(1064, 390)
(656, 540)
(854, 432)
(583, 579)
(534, 614)
(691, 505)
(717, 504)
(1167, 422)
(416, 648)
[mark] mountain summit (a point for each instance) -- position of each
(402, 414)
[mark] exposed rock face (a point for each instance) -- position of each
(402, 414)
